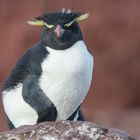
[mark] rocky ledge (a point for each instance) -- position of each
(65, 130)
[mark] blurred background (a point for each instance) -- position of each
(112, 34)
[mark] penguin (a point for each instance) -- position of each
(51, 79)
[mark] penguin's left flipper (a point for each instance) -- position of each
(34, 96)
(77, 115)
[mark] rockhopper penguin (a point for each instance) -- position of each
(51, 80)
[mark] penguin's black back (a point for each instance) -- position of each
(28, 64)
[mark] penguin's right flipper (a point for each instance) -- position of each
(11, 126)
(77, 115)
(81, 116)
(34, 96)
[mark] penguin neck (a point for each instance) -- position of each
(77, 45)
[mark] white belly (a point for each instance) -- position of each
(66, 77)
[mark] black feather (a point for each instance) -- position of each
(28, 64)
(59, 17)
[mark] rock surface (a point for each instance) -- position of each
(65, 130)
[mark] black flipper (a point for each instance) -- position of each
(35, 97)
(80, 115)
(11, 126)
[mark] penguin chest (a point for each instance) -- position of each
(66, 77)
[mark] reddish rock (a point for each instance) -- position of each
(65, 130)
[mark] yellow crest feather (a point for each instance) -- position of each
(39, 23)
(82, 17)
(70, 23)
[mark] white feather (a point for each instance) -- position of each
(17, 110)
(66, 77)
(63, 10)
(68, 11)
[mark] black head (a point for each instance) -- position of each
(60, 29)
